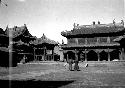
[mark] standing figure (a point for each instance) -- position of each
(24, 59)
(70, 61)
(76, 66)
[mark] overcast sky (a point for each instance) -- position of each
(53, 16)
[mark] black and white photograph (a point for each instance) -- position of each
(62, 44)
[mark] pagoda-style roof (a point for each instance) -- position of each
(95, 29)
(43, 40)
(17, 31)
(2, 31)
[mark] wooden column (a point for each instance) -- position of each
(97, 40)
(52, 54)
(108, 39)
(76, 55)
(122, 54)
(44, 53)
(34, 53)
(85, 40)
(98, 55)
(108, 55)
(67, 57)
(85, 55)
(76, 40)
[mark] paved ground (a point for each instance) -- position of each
(54, 75)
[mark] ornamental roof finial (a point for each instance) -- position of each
(62, 41)
(114, 21)
(74, 25)
(122, 22)
(98, 22)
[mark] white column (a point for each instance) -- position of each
(108, 39)
(122, 54)
(76, 55)
(76, 40)
(85, 40)
(108, 55)
(98, 55)
(97, 40)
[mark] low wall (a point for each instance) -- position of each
(104, 63)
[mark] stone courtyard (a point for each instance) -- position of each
(56, 75)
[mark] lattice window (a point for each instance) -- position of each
(81, 40)
(91, 40)
(71, 41)
(103, 39)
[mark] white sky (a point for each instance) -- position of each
(51, 17)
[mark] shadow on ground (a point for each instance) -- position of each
(33, 84)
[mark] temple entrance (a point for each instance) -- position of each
(103, 56)
(114, 55)
(70, 55)
(92, 56)
(81, 56)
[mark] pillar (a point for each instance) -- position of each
(76, 55)
(122, 54)
(76, 40)
(67, 57)
(85, 55)
(76, 66)
(44, 53)
(98, 55)
(108, 55)
(34, 53)
(52, 54)
(85, 40)
(108, 39)
(97, 40)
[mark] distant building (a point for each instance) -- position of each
(14, 45)
(94, 42)
(44, 49)
(59, 51)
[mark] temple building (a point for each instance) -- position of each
(14, 45)
(19, 38)
(95, 42)
(44, 49)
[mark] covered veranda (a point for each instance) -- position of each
(94, 53)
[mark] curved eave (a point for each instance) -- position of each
(36, 42)
(119, 38)
(89, 45)
(69, 34)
